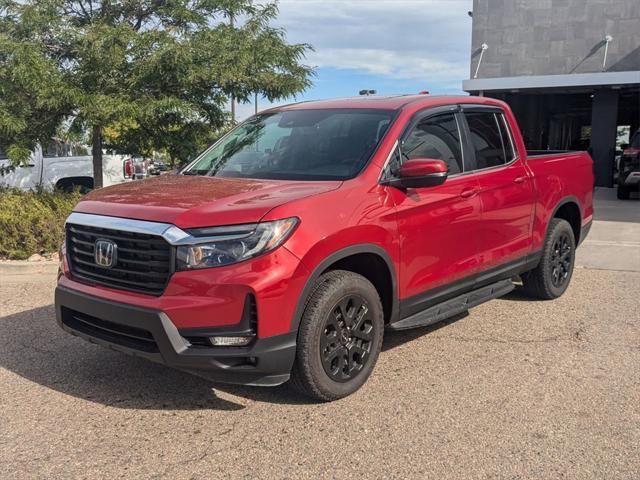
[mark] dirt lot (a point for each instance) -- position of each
(514, 390)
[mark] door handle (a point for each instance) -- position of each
(469, 192)
(520, 179)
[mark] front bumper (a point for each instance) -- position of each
(150, 334)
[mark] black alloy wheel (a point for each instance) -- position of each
(551, 277)
(561, 260)
(339, 337)
(346, 340)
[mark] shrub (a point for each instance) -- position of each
(33, 222)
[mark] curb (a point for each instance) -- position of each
(22, 267)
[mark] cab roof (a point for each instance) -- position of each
(391, 102)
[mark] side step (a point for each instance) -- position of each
(454, 306)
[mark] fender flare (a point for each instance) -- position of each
(337, 256)
(563, 201)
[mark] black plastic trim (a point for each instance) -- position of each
(333, 258)
(412, 305)
(267, 361)
(584, 231)
(454, 306)
(559, 205)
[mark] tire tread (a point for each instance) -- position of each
(301, 378)
(536, 283)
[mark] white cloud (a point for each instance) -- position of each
(404, 39)
(400, 65)
(425, 41)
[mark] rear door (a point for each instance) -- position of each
(436, 225)
(505, 187)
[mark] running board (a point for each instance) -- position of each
(452, 307)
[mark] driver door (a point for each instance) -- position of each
(436, 225)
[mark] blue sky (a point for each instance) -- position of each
(392, 46)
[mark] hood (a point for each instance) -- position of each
(191, 201)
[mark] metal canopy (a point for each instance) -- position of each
(552, 81)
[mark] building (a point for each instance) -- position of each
(570, 70)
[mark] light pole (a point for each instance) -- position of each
(607, 41)
(483, 48)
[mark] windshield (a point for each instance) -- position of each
(635, 141)
(330, 144)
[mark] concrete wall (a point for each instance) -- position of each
(554, 37)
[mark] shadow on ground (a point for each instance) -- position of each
(36, 349)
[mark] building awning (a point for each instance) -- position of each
(569, 81)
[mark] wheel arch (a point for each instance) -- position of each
(67, 182)
(569, 209)
(353, 258)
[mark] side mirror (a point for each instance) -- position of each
(422, 172)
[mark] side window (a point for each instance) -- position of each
(436, 137)
(490, 139)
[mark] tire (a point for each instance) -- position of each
(623, 192)
(334, 358)
(552, 276)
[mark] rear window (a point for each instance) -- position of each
(491, 139)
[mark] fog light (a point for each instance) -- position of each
(230, 341)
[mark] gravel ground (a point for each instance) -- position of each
(513, 390)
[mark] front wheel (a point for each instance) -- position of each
(551, 277)
(340, 336)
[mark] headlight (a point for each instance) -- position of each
(235, 244)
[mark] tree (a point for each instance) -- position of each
(137, 74)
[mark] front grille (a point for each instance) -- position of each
(143, 261)
(130, 337)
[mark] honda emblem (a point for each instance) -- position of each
(105, 253)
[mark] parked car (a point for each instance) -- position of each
(629, 170)
(285, 250)
(68, 170)
(157, 167)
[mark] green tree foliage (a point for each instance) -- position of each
(33, 222)
(138, 75)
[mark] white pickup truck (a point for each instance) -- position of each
(64, 172)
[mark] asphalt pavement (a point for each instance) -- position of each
(516, 389)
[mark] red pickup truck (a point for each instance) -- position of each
(285, 250)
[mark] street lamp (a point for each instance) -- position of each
(483, 47)
(607, 41)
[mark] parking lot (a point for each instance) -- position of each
(514, 389)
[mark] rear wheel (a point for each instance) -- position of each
(551, 277)
(340, 336)
(623, 192)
